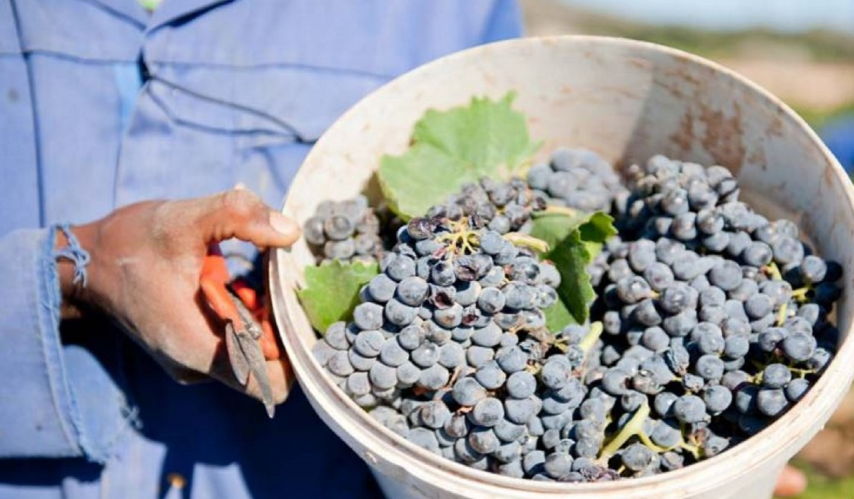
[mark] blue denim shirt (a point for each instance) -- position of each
(234, 91)
(839, 137)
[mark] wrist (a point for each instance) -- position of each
(72, 287)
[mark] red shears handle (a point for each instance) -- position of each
(215, 282)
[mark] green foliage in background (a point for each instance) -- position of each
(819, 45)
(818, 118)
(822, 487)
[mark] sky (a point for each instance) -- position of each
(784, 15)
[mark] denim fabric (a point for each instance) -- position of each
(103, 104)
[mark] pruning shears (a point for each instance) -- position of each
(249, 337)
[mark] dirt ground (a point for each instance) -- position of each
(804, 84)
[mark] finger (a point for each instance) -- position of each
(190, 377)
(180, 374)
(240, 213)
(279, 373)
(790, 483)
(269, 340)
(210, 355)
(282, 378)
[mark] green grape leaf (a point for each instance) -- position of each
(554, 224)
(558, 317)
(453, 147)
(575, 239)
(571, 257)
(421, 178)
(332, 291)
(597, 229)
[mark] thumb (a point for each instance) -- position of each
(240, 213)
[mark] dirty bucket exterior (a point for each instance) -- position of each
(627, 101)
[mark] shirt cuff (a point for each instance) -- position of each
(58, 401)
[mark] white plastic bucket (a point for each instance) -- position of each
(626, 100)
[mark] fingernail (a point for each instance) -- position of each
(283, 224)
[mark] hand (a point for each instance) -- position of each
(791, 482)
(146, 261)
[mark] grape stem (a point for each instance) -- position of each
(802, 373)
(454, 376)
(773, 271)
(551, 210)
(527, 241)
(633, 427)
(591, 337)
(521, 170)
(644, 438)
(534, 368)
(800, 294)
(693, 449)
(760, 367)
(781, 314)
(461, 239)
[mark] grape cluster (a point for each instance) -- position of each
(711, 321)
(345, 231)
(449, 348)
(501, 206)
(579, 179)
(716, 318)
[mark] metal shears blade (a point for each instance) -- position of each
(245, 354)
(243, 334)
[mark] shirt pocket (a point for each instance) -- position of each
(264, 106)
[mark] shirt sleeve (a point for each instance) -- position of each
(57, 401)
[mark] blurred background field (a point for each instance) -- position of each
(801, 51)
